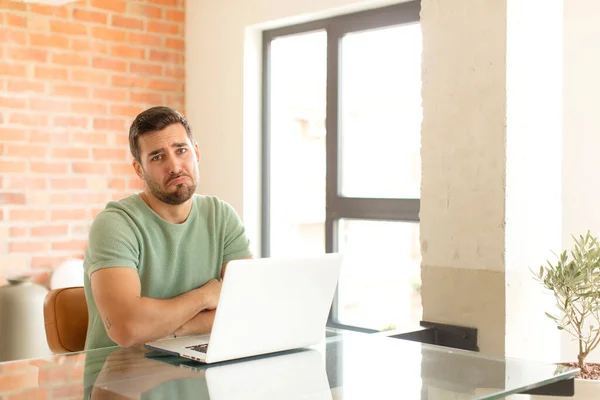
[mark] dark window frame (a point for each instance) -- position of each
(337, 206)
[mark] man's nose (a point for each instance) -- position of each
(174, 166)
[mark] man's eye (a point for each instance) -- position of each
(156, 158)
(181, 150)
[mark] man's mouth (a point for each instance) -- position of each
(177, 181)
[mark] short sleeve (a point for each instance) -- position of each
(236, 244)
(112, 243)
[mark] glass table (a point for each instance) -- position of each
(346, 365)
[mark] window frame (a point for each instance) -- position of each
(337, 206)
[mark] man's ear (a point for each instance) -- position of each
(197, 151)
(138, 169)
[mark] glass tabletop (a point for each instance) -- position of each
(346, 365)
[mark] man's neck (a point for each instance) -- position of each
(175, 214)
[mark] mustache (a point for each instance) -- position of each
(176, 177)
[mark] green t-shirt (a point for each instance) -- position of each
(171, 259)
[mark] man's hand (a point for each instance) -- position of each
(212, 292)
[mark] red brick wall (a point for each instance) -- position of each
(72, 78)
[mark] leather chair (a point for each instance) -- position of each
(66, 319)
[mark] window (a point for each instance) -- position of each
(341, 157)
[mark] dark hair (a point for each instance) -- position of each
(154, 119)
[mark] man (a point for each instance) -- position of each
(155, 260)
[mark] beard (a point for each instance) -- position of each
(182, 193)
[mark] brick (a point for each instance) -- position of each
(135, 184)
(146, 69)
(13, 102)
(12, 198)
(11, 382)
(121, 168)
(145, 39)
(25, 151)
(81, 122)
(27, 54)
(109, 154)
(104, 124)
(67, 215)
(87, 76)
(28, 119)
(175, 72)
(171, 3)
(144, 10)
(146, 98)
(43, 40)
(128, 81)
(117, 184)
(68, 28)
(68, 183)
(27, 215)
(69, 245)
(163, 27)
(46, 262)
(109, 64)
(70, 91)
(164, 85)
(15, 20)
(18, 232)
(175, 44)
(48, 106)
(49, 230)
(175, 16)
(9, 68)
(89, 168)
(127, 22)
(110, 5)
(122, 140)
(127, 111)
(53, 11)
(96, 47)
(71, 59)
(90, 16)
(108, 34)
(128, 52)
(46, 136)
(23, 86)
(115, 95)
(15, 6)
(89, 108)
(27, 247)
(89, 138)
(49, 168)
(38, 23)
(165, 57)
(20, 182)
(13, 166)
(69, 153)
(51, 73)
(13, 36)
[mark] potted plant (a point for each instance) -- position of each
(574, 279)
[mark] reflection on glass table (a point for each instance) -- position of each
(346, 365)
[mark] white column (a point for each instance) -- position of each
(491, 157)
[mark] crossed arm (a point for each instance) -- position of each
(131, 319)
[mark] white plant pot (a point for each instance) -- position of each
(584, 390)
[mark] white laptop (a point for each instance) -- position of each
(266, 305)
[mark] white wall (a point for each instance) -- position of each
(581, 129)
